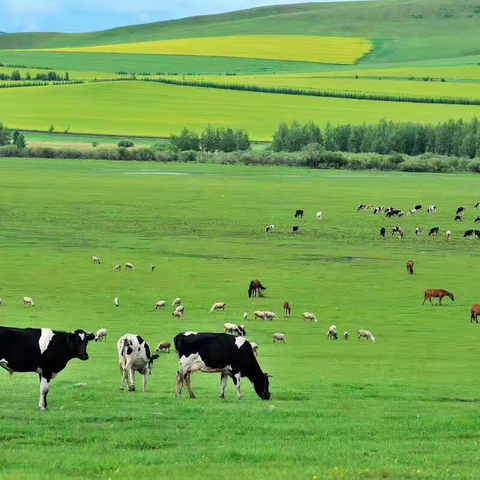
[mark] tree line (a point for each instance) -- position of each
(15, 138)
(52, 76)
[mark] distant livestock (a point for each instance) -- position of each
(152, 268)
(163, 347)
(458, 218)
(332, 333)
(101, 335)
(269, 228)
(418, 231)
(176, 302)
(160, 305)
(434, 232)
(474, 313)
(270, 316)
(254, 348)
(116, 301)
(460, 211)
(378, 210)
(346, 335)
(383, 232)
(365, 334)
(295, 229)
(418, 208)
(259, 315)
(299, 214)
(218, 307)
(117, 267)
(439, 293)
(129, 266)
(180, 308)
(235, 329)
(245, 316)
(319, 215)
(432, 209)
(472, 234)
(396, 230)
(448, 235)
(394, 213)
(477, 205)
(256, 288)
(309, 317)
(287, 309)
(279, 337)
(362, 207)
(177, 313)
(134, 355)
(96, 260)
(477, 219)
(410, 267)
(28, 301)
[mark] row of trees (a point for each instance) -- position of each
(8, 138)
(211, 140)
(51, 76)
(456, 138)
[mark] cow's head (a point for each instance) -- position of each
(261, 386)
(78, 341)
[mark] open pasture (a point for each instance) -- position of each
(149, 109)
(403, 407)
(336, 50)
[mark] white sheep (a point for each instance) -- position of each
(180, 308)
(346, 335)
(177, 314)
(28, 301)
(160, 305)
(96, 260)
(332, 333)
(116, 301)
(235, 329)
(307, 316)
(279, 337)
(258, 314)
(101, 335)
(117, 267)
(219, 306)
(245, 316)
(448, 234)
(129, 266)
(177, 302)
(365, 334)
(270, 316)
(319, 215)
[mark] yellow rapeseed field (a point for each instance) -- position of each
(337, 50)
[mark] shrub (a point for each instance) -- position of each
(187, 156)
(125, 144)
(143, 155)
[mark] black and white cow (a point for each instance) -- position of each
(378, 210)
(418, 208)
(219, 353)
(41, 351)
(299, 214)
(396, 230)
(434, 231)
(418, 231)
(460, 211)
(295, 229)
(477, 219)
(477, 205)
(383, 231)
(458, 218)
(472, 234)
(394, 213)
(432, 209)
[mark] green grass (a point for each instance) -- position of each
(149, 109)
(404, 407)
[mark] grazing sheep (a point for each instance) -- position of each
(219, 306)
(177, 314)
(287, 309)
(160, 305)
(245, 316)
(279, 337)
(129, 266)
(96, 260)
(101, 335)
(270, 316)
(152, 268)
(235, 329)
(163, 347)
(332, 333)
(28, 301)
(180, 308)
(177, 302)
(365, 334)
(254, 348)
(448, 235)
(116, 301)
(257, 314)
(319, 215)
(346, 336)
(117, 267)
(307, 316)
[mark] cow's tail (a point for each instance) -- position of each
(124, 347)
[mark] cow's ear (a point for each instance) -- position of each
(155, 356)
(90, 337)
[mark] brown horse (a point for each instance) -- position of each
(474, 313)
(410, 267)
(287, 309)
(429, 294)
(256, 289)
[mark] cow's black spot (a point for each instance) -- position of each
(147, 351)
(129, 350)
(140, 339)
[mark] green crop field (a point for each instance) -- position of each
(149, 109)
(405, 406)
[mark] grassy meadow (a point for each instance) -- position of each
(403, 407)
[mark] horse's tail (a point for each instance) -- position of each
(472, 315)
(425, 294)
(250, 288)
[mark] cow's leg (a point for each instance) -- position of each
(124, 373)
(144, 382)
(44, 388)
(236, 381)
(131, 379)
(188, 383)
(178, 384)
(223, 384)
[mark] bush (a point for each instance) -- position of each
(144, 155)
(125, 144)
(187, 156)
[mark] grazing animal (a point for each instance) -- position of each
(448, 235)
(259, 315)
(472, 234)
(295, 229)
(152, 268)
(397, 230)
(254, 348)
(235, 329)
(101, 335)
(383, 232)
(458, 218)
(270, 228)
(279, 337)
(160, 305)
(474, 313)
(116, 301)
(28, 301)
(434, 232)
(418, 231)
(117, 267)
(361, 207)
(299, 214)
(394, 213)
(163, 347)
(245, 316)
(177, 302)
(219, 306)
(460, 211)
(346, 336)
(41, 351)
(180, 308)
(378, 210)
(287, 309)
(477, 219)
(332, 333)
(270, 316)
(477, 205)
(308, 317)
(410, 267)
(418, 208)
(129, 266)
(413, 211)
(134, 355)
(365, 334)
(219, 352)
(319, 215)
(432, 209)
(178, 314)
(96, 260)
(439, 293)
(256, 289)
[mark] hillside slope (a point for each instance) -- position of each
(403, 30)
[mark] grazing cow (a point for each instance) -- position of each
(477, 205)
(254, 348)
(177, 302)
(458, 218)
(152, 268)
(472, 234)
(28, 301)
(383, 232)
(361, 207)
(308, 317)
(259, 315)
(177, 313)
(256, 289)
(332, 333)
(160, 305)
(418, 231)
(270, 228)
(219, 306)
(245, 316)
(319, 215)
(365, 334)
(41, 351)
(270, 316)
(439, 293)
(410, 267)
(96, 260)
(287, 309)
(295, 229)
(432, 209)
(279, 337)
(418, 208)
(117, 267)
(134, 355)
(219, 352)
(346, 335)
(434, 232)
(477, 219)
(299, 214)
(129, 266)
(394, 213)
(101, 335)
(235, 329)
(397, 230)
(163, 347)
(474, 313)
(116, 301)
(460, 211)
(378, 210)
(412, 211)
(448, 235)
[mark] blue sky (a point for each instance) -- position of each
(89, 15)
